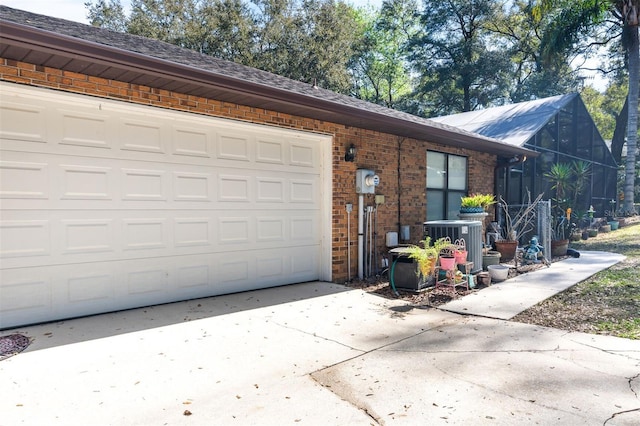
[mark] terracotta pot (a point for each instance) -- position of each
(605, 228)
(447, 263)
(460, 256)
(483, 278)
(559, 247)
(507, 249)
(575, 236)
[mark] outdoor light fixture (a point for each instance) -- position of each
(517, 159)
(512, 161)
(350, 155)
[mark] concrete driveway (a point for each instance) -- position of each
(314, 354)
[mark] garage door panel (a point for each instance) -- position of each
(303, 155)
(192, 186)
(61, 291)
(80, 182)
(270, 151)
(84, 236)
(32, 238)
(24, 293)
(148, 234)
(23, 180)
(189, 139)
(83, 289)
(234, 146)
(193, 232)
(24, 239)
(83, 129)
(143, 135)
(24, 122)
(105, 129)
(35, 176)
(304, 228)
(107, 206)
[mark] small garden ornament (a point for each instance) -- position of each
(534, 253)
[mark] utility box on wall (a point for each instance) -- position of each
(366, 181)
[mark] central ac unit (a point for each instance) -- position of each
(470, 230)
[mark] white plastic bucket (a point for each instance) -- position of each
(498, 272)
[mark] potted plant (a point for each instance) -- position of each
(425, 257)
(569, 180)
(610, 216)
(516, 224)
(476, 203)
(602, 225)
(561, 229)
(621, 216)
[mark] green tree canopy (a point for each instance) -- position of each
(461, 65)
(306, 40)
(380, 66)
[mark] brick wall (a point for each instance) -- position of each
(404, 201)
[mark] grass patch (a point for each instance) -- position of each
(607, 303)
(629, 329)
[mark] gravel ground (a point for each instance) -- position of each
(431, 296)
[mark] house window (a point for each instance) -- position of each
(446, 183)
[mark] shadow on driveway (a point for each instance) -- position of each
(76, 330)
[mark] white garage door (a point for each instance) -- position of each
(107, 205)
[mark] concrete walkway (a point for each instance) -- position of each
(507, 299)
(315, 354)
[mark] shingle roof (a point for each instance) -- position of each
(514, 124)
(59, 43)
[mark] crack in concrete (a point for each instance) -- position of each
(507, 395)
(484, 351)
(353, 401)
(621, 353)
(380, 421)
(619, 413)
(366, 410)
(288, 327)
(362, 351)
(631, 379)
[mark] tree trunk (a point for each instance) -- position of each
(618, 139)
(632, 124)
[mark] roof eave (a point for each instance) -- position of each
(255, 94)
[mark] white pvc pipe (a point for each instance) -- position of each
(349, 243)
(370, 241)
(360, 236)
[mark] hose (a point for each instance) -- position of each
(391, 273)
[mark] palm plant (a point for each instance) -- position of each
(569, 180)
(581, 172)
(561, 175)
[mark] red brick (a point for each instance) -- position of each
(377, 151)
